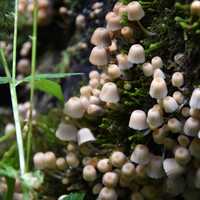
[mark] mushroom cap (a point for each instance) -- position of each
(158, 73)
(113, 22)
(157, 62)
(169, 104)
(108, 194)
(191, 127)
(135, 11)
(140, 155)
(66, 132)
(123, 62)
(98, 56)
(101, 37)
(138, 120)
(158, 88)
(147, 69)
(84, 136)
(154, 168)
(177, 79)
(74, 108)
(136, 54)
(195, 99)
(194, 148)
(109, 93)
(172, 168)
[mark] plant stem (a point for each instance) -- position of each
(145, 30)
(33, 66)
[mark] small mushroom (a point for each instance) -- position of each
(136, 54)
(195, 99)
(84, 136)
(135, 11)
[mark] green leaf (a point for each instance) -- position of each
(4, 80)
(8, 171)
(73, 196)
(50, 87)
(48, 76)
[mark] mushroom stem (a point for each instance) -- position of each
(149, 33)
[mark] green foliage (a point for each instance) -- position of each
(4, 80)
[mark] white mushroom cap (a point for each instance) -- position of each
(86, 90)
(158, 73)
(84, 101)
(136, 54)
(154, 168)
(39, 161)
(195, 99)
(117, 159)
(182, 155)
(128, 170)
(94, 74)
(98, 56)
(177, 79)
(158, 88)
(113, 21)
(174, 125)
(109, 93)
(94, 110)
(191, 127)
(101, 37)
(74, 108)
(140, 155)
(85, 135)
(194, 148)
(154, 118)
(114, 71)
(157, 62)
(66, 132)
(107, 194)
(147, 69)
(172, 168)
(195, 8)
(178, 96)
(110, 179)
(89, 173)
(135, 11)
(104, 165)
(169, 104)
(138, 120)
(123, 62)
(174, 186)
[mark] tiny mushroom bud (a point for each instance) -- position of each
(158, 73)
(177, 79)
(85, 135)
(158, 88)
(107, 194)
(195, 99)
(104, 165)
(113, 22)
(50, 160)
(140, 154)
(135, 11)
(39, 161)
(94, 110)
(191, 127)
(101, 37)
(89, 173)
(61, 163)
(174, 125)
(128, 170)
(114, 71)
(80, 21)
(72, 160)
(117, 159)
(183, 140)
(154, 168)
(172, 168)
(136, 54)
(123, 62)
(127, 32)
(66, 132)
(194, 148)
(94, 74)
(147, 69)
(185, 111)
(109, 93)
(178, 96)
(110, 179)
(98, 56)
(195, 8)
(138, 120)
(74, 108)
(157, 62)
(182, 155)
(85, 90)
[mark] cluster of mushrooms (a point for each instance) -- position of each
(173, 122)
(44, 10)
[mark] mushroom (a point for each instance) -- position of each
(107, 194)
(84, 136)
(89, 173)
(177, 79)
(138, 120)
(109, 93)
(195, 99)
(194, 148)
(140, 155)
(114, 71)
(104, 165)
(191, 127)
(117, 159)
(157, 62)
(98, 56)
(110, 179)
(182, 155)
(135, 11)
(113, 22)
(169, 104)
(147, 69)
(123, 62)
(136, 54)
(66, 132)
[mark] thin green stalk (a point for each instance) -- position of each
(33, 67)
(145, 30)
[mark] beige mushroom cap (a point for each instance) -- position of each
(85, 135)
(136, 54)
(135, 11)
(113, 22)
